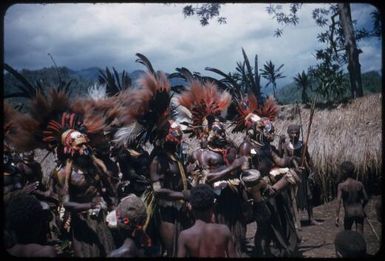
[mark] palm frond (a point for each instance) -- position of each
(249, 74)
(27, 87)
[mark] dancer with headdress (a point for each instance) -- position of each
(147, 118)
(201, 109)
(56, 124)
(268, 186)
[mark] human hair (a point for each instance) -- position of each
(25, 218)
(348, 169)
(350, 243)
(201, 198)
(132, 212)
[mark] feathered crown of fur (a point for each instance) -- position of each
(144, 112)
(199, 105)
(250, 112)
(53, 114)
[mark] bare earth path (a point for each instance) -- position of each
(317, 241)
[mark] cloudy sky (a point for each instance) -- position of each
(80, 36)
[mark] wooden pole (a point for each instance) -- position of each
(308, 134)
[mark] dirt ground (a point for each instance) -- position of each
(317, 240)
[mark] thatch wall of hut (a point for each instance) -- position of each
(351, 131)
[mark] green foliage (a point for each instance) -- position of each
(377, 26)
(244, 80)
(290, 93)
(282, 17)
(330, 84)
(372, 82)
(271, 74)
(205, 12)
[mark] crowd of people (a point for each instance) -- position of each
(111, 196)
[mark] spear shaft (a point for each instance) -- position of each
(300, 119)
(307, 135)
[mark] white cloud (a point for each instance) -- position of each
(85, 35)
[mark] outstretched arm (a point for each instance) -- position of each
(215, 176)
(78, 207)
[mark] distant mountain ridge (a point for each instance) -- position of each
(84, 78)
(81, 79)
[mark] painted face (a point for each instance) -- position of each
(75, 142)
(217, 133)
(269, 131)
(293, 135)
(174, 134)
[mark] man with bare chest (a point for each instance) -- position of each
(85, 194)
(220, 166)
(204, 238)
(353, 195)
(272, 207)
(169, 183)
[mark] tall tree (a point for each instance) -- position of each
(341, 34)
(352, 51)
(271, 74)
(348, 34)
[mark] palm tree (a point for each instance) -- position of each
(246, 78)
(271, 75)
(302, 81)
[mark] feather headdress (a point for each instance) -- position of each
(250, 112)
(54, 119)
(199, 105)
(144, 112)
(17, 128)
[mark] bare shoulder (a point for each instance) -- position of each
(342, 185)
(185, 233)
(220, 228)
(359, 183)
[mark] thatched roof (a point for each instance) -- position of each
(352, 131)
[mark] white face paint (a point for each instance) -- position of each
(174, 125)
(254, 117)
(75, 135)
